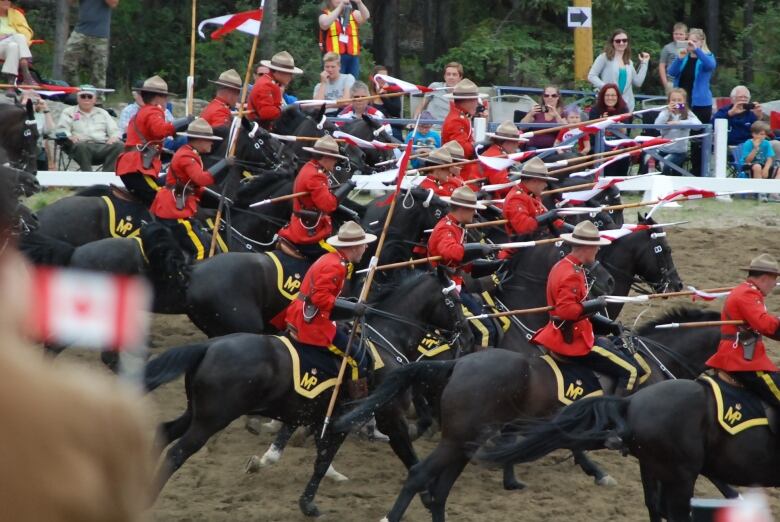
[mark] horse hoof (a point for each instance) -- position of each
(252, 465)
(426, 499)
(272, 426)
(309, 508)
(271, 456)
(334, 475)
(514, 485)
(253, 424)
(606, 481)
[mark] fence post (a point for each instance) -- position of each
(706, 152)
(721, 132)
(480, 128)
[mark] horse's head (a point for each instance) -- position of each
(256, 149)
(20, 136)
(447, 313)
(601, 281)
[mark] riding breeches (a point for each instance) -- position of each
(605, 358)
(764, 384)
(359, 360)
(141, 186)
(485, 329)
(186, 236)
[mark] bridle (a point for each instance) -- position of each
(29, 156)
(666, 270)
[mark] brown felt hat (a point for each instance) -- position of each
(200, 129)
(585, 233)
(765, 264)
(351, 234)
(326, 146)
(230, 79)
(156, 85)
(465, 90)
(464, 197)
(282, 62)
(506, 131)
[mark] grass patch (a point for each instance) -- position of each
(46, 197)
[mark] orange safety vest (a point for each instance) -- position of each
(331, 39)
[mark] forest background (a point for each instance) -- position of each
(499, 42)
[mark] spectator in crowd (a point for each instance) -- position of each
(358, 108)
(333, 84)
(548, 110)
(610, 103)
(675, 113)
(15, 38)
(436, 101)
(339, 32)
(741, 114)
(615, 66)
(573, 116)
(87, 434)
(92, 135)
(669, 52)
(87, 47)
(390, 106)
(45, 124)
(218, 113)
(692, 71)
(756, 154)
(425, 139)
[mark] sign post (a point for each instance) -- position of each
(580, 17)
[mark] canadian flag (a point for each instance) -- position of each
(90, 309)
(398, 85)
(247, 22)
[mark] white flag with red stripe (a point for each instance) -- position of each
(706, 296)
(690, 193)
(398, 85)
(90, 309)
(501, 163)
(645, 141)
(593, 128)
(247, 22)
(583, 196)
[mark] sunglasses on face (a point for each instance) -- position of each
(553, 95)
(86, 96)
(620, 40)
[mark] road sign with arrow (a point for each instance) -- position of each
(579, 17)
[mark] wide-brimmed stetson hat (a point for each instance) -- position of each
(464, 197)
(506, 131)
(230, 79)
(585, 233)
(156, 85)
(765, 264)
(535, 168)
(282, 62)
(440, 156)
(200, 129)
(326, 146)
(351, 234)
(455, 149)
(465, 90)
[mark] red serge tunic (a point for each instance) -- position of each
(186, 167)
(457, 126)
(745, 302)
(521, 208)
(217, 113)
(149, 122)
(321, 286)
(447, 241)
(496, 177)
(265, 100)
(566, 289)
(441, 188)
(311, 179)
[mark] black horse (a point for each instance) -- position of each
(488, 389)
(367, 128)
(19, 136)
(239, 374)
(671, 428)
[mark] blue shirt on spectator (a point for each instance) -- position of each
(739, 124)
(94, 18)
(765, 151)
(430, 139)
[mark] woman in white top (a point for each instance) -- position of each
(675, 113)
(614, 65)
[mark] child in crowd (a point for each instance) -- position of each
(757, 154)
(573, 116)
(424, 138)
(676, 112)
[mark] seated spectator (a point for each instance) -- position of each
(425, 139)
(615, 66)
(610, 103)
(435, 101)
(675, 113)
(548, 110)
(131, 110)
(573, 116)
(93, 136)
(756, 154)
(15, 38)
(358, 108)
(333, 84)
(741, 114)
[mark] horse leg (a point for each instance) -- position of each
(652, 494)
(172, 430)
(510, 481)
(327, 447)
(677, 496)
(593, 470)
(443, 485)
(392, 423)
(424, 415)
(725, 490)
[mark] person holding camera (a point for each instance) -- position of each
(741, 113)
(675, 113)
(339, 33)
(548, 110)
(614, 65)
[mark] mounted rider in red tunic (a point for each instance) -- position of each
(741, 351)
(506, 140)
(465, 98)
(265, 100)
(219, 111)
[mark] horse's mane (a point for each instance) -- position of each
(399, 285)
(260, 185)
(679, 314)
(168, 265)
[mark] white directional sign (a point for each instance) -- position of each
(579, 17)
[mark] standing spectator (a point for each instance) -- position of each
(675, 113)
(614, 65)
(92, 134)
(87, 47)
(610, 103)
(548, 110)
(741, 114)
(333, 85)
(339, 32)
(692, 70)
(670, 52)
(436, 102)
(15, 38)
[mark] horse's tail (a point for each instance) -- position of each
(169, 269)
(396, 383)
(41, 249)
(173, 363)
(583, 425)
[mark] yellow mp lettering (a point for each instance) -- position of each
(308, 381)
(428, 342)
(733, 416)
(573, 392)
(124, 227)
(292, 284)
